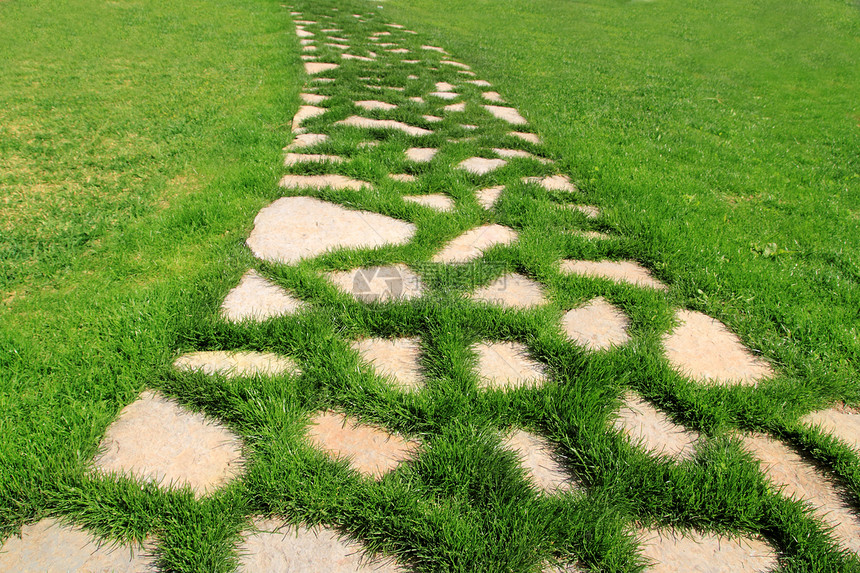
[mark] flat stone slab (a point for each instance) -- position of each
(703, 348)
(435, 49)
(296, 158)
(432, 118)
(304, 33)
(445, 87)
(402, 177)
(589, 211)
(379, 284)
(371, 104)
(529, 137)
(480, 165)
(255, 298)
(313, 68)
(354, 57)
(312, 99)
(512, 290)
(508, 114)
(480, 83)
(338, 46)
(295, 228)
(841, 421)
(370, 450)
(487, 197)
(553, 183)
(155, 439)
(307, 140)
(444, 95)
(801, 480)
(517, 154)
(455, 107)
(367, 123)
(337, 182)
(455, 64)
(398, 359)
(649, 427)
(507, 365)
(590, 235)
(617, 271)
(493, 96)
(421, 154)
(597, 325)
(472, 244)
(671, 551)
(234, 364)
(538, 459)
(306, 112)
(436, 201)
(48, 545)
(274, 546)
(416, 99)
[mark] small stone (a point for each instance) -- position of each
(455, 64)
(309, 48)
(554, 183)
(480, 165)
(380, 283)
(398, 359)
(436, 201)
(337, 182)
(493, 96)
(365, 144)
(529, 137)
(590, 235)
(653, 429)
(455, 107)
(399, 51)
(354, 57)
(307, 140)
(338, 46)
(411, 77)
(488, 197)
(589, 211)
(512, 290)
(306, 112)
(617, 271)
(444, 95)
(402, 177)
(598, 325)
(294, 158)
(416, 99)
(312, 68)
(468, 126)
(356, 121)
(255, 298)
(445, 87)
(336, 39)
(507, 365)
(398, 26)
(841, 421)
(233, 364)
(671, 551)
(375, 104)
(508, 114)
(421, 154)
(434, 48)
(480, 83)
(472, 244)
(306, 42)
(431, 118)
(303, 33)
(537, 458)
(411, 61)
(309, 58)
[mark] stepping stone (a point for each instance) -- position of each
(455, 107)
(488, 197)
(155, 439)
(341, 40)
(364, 144)
(480, 83)
(455, 64)
(432, 118)
(704, 349)
(402, 177)
(386, 45)
(842, 421)
(444, 95)
(434, 48)
(445, 87)
(331, 30)
(381, 34)
(512, 290)
(421, 154)
(304, 34)
(307, 140)
(312, 68)
(48, 545)
(597, 325)
(395, 88)
(617, 271)
(309, 48)
(472, 244)
(416, 99)
(338, 46)
(398, 359)
(554, 183)
(375, 104)
(520, 154)
(507, 365)
(480, 165)
(589, 211)
(365, 122)
(322, 80)
(306, 42)
(255, 298)
(306, 112)
(274, 545)
(294, 158)
(671, 551)
(399, 51)
(436, 201)
(802, 480)
(379, 284)
(309, 58)
(354, 57)
(233, 364)
(529, 137)
(294, 228)
(590, 235)
(493, 96)
(508, 114)
(469, 127)
(398, 26)
(537, 458)
(370, 450)
(304, 22)
(337, 182)
(410, 61)
(653, 430)
(411, 77)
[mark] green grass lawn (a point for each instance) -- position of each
(138, 141)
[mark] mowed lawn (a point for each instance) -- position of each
(139, 139)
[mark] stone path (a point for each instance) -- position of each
(415, 121)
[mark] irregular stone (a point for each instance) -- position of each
(337, 182)
(307, 140)
(445, 87)
(354, 57)
(309, 48)
(374, 104)
(48, 545)
(455, 64)
(380, 283)
(304, 22)
(255, 298)
(537, 458)
(554, 183)
(338, 46)
(488, 197)
(294, 158)
(294, 228)
(671, 551)
(480, 83)
(306, 42)
(468, 126)
(590, 235)
(617, 271)
(589, 211)
(512, 290)
(376, 34)
(398, 359)
(472, 244)
(336, 39)
(370, 451)
(421, 154)
(493, 96)
(529, 137)
(444, 95)
(597, 325)
(507, 365)
(398, 26)
(304, 33)
(410, 61)
(402, 177)
(645, 425)
(312, 68)
(436, 201)
(313, 98)
(480, 165)
(386, 45)
(520, 154)
(356, 121)
(432, 118)
(306, 112)
(411, 77)
(434, 48)
(395, 88)
(154, 439)
(309, 58)
(455, 107)
(399, 51)
(842, 421)
(416, 99)
(232, 364)
(508, 114)
(704, 349)
(365, 144)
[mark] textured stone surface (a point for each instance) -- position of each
(512, 290)
(841, 421)
(421, 154)
(508, 114)
(517, 154)
(154, 439)
(472, 244)
(367, 123)
(596, 325)
(435, 49)
(432, 118)
(801, 480)
(232, 364)
(307, 140)
(671, 551)
(704, 349)
(312, 99)
(294, 228)
(338, 46)
(653, 429)
(488, 197)
(338, 182)
(507, 365)
(553, 183)
(445, 87)
(51, 546)
(295, 158)
(480, 83)
(493, 96)
(370, 450)
(306, 112)
(379, 284)
(354, 57)
(455, 107)
(318, 67)
(255, 298)
(589, 211)
(402, 177)
(397, 358)
(590, 235)
(455, 64)
(436, 201)
(618, 271)
(529, 137)
(538, 459)
(480, 165)
(375, 104)
(274, 546)
(444, 95)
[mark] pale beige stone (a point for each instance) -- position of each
(338, 46)
(306, 42)
(303, 33)
(416, 99)
(411, 61)
(671, 551)
(436, 201)
(394, 88)
(331, 30)
(294, 228)
(313, 98)
(421, 154)
(488, 197)
(365, 144)
(597, 325)
(444, 95)
(434, 48)
(802, 480)
(379, 284)
(307, 140)
(295, 158)
(399, 51)
(154, 439)
(455, 64)
(255, 298)
(411, 77)
(529, 137)
(512, 290)
(590, 235)
(375, 104)
(537, 458)
(480, 165)
(455, 107)
(309, 57)
(370, 451)
(841, 421)
(309, 48)
(508, 114)
(397, 358)
(357, 58)
(402, 177)
(232, 364)
(589, 211)
(507, 365)
(652, 429)
(365, 122)
(386, 45)
(480, 83)
(304, 22)
(275, 546)
(377, 34)
(554, 183)
(336, 39)
(703, 348)
(432, 118)
(48, 545)
(468, 126)
(493, 96)
(398, 26)
(617, 271)
(306, 112)
(472, 244)
(445, 87)
(312, 68)
(338, 182)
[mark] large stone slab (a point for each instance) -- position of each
(367, 123)
(512, 290)
(618, 271)
(537, 458)
(508, 114)
(398, 359)
(507, 365)
(472, 244)
(306, 112)
(371, 104)
(596, 325)
(255, 298)
(295, 228)
(842, 421)
(673, 551)
(380, 283)
(651, 428)
(313, 68)
(232, 364)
